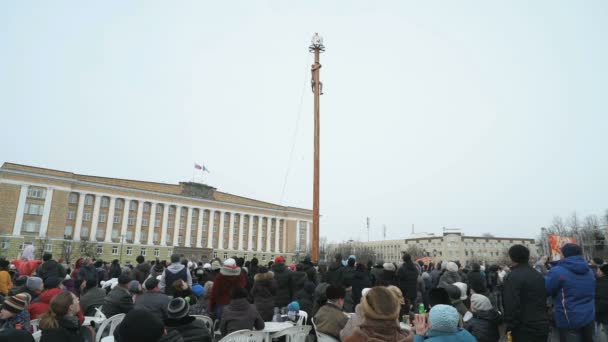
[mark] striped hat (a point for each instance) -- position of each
(17, 303)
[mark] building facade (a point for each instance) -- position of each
(71, 215)
(451, 245)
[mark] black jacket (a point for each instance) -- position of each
(310, 271)
(408, 280)
(282, 275)
(69, 330)
(601, 300)
(334, 274)
(484, 325)
(263, 292)
(361, 280)
(348, 273)
(50, 268)
(155, 302)
(386, 278)
(239, 315)
(525, 301)
(92, 299)
(298, 280)
(141, 272)
(190, 328)
(117, 301)
(306, 298)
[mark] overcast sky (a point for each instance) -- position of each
(490, 117)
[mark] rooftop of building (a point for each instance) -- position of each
(187, 189)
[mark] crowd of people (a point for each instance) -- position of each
(350, 300)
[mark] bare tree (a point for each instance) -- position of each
(557, 226)
(345, 249)
(66, 250)
(41, 248)
(415, 251)
(87, 248)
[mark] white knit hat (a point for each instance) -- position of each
(480, 302)
(463, 289)
(452, 267)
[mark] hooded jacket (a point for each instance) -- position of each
(174, 269)
(361, 280)
(263, 292)
(484, 325)
(222, 286)
(408, 279)
(459, 335)
(572, 285)
(42, 305)
(282, 275)
(305, 297)
(240, 315)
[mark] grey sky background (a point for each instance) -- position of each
(490, 117)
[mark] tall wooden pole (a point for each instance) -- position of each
(316, 47)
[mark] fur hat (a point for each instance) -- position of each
(230, 268)
(263, 274)
(397, 292)
(480, 302)
(444, 318)
(451, 267)
(389, 267)
(463, 290)
(380, 304)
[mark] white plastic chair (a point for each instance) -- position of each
(302, 318)
(207, 320)
(37, 335)
(293, 334)
(113, 322)
(321, 337)
(245, 336)
(34, 323)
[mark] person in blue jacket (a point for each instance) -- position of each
(571, 284)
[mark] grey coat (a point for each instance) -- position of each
(154, 302)
(239, 315)
(92, 299)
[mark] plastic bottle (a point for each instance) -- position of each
(421, 309)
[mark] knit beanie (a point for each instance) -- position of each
(34, 283)
(480, 303)
(230, 268)
(17, 303)
(380, 304)
(452, 267)
(293, 306)
(140, 325)
(444, 318)
(52, 282)
(178, 308)
(389, 266)
(571, 249)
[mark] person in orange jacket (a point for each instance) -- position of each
(6, 282)
(27, 264)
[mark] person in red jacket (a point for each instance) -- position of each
(230, 276)
(52, 287)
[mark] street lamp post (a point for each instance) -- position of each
(122, 239)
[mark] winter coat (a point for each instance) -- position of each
(50, 268)
(68, 330)
(6, 282)
(170, 275)
(477, 282)
(428, 281)
(524, 301)
(222, 286)
(459, 335)
(117, 301)
(601, 300)
(282, 275)
(310, 271)
(334, 274)
(155, 302)
(372, 330)
(450, 277)
(298, 280)
(387, 277)
(92, 299)
(305, 298)
(22, 318)
(263, 292)
(376, 272)
(435, 275)
(572, 285)
(330, 320)
(141, 272)
(484, 325)
(190, 329)
(361, 280)
(36, 309)
(408, 280)
(348, 273)
(239, 315)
